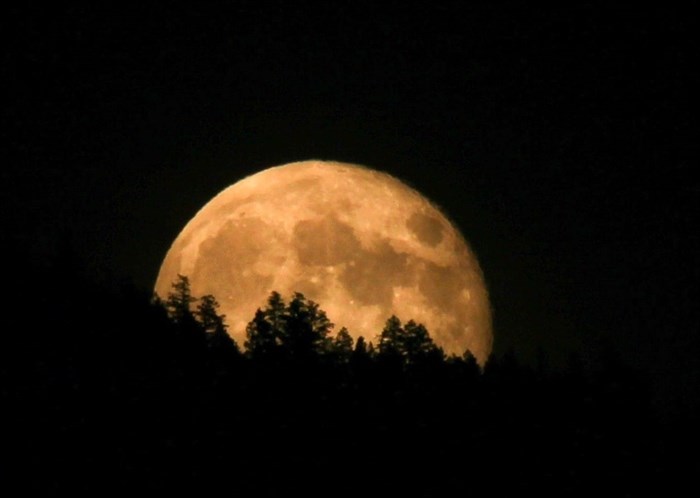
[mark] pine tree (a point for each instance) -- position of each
(192, 338)
(416, 345)
(260, 337)
(307, 328)
(361, 358)
(208, 315)
(360, 347)
(343, 346)
(265, 332)
(276, 315)
(214, 325)
(407, 344)
(391, 337)
(180, 300)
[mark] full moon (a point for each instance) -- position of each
(357, 241)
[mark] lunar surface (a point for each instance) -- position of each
(357, 241)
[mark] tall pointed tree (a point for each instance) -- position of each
(260, 337)
(307, 328)
(214, 325)
(416, 345)
(193, 340)
(264, 333)
(180, 300)
(276, 315)
(343, 346)
(361, 359)
(360, 347)
(208, 315)
(391, 337)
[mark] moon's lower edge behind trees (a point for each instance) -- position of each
(357, 241)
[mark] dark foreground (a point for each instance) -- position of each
(104, 392)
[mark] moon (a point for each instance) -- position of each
(357, 241)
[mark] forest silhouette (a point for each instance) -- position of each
(111, 389)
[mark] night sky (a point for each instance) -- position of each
(557, 140)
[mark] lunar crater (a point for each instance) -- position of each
(428, 229)
(325, 241)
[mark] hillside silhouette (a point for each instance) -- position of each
(110, 389)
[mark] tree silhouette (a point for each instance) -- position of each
(180, 300)
(360, 349)
(221, 344)
(306, 329)
(208, 315)
(179, 305)
(416, 345)
(276, 315)
(371, 350)
(265, 332)
(361, 360)
(261, 340)
(297, 332)
(343, 346)
(472, 369)
(391, 337)
(408, 344)
(173, 403)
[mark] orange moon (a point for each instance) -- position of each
(355, 240)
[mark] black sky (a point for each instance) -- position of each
(558, 140)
